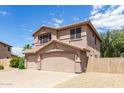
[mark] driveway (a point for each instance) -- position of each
(33, 78)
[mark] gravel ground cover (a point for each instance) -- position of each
(94, 80)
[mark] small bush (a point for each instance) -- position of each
(14, 62)
(1, 67)
(21, 63)
(17, 62)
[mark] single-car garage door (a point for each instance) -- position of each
(58, 61)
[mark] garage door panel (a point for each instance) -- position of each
(48, 67)
(66, 67)
(63, 62)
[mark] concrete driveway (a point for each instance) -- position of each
(33, 78)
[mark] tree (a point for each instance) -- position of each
(112, 44)
(27, 46)
(119, 42)
(107, 48)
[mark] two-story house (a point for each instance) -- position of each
(5, 50)
(64, 48)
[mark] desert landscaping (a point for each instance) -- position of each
(94, 80)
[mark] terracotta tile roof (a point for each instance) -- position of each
(71, 25)
(38, 48)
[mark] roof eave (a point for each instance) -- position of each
(6, 44)
(42, 28)
(90, 24)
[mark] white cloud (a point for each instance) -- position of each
(75, 18)
(3, 13)
(17, 50)
(59, 15)
(111, 18)
(55, 22)
(118, 10)
(59, 21)
(96, 9)
(56, 25)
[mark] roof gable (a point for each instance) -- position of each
(43, 28)
(71, 25)
(57, 42)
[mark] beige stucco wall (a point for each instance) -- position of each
(31, 61)
(64, 36)
(87, 39)
(60, 59)
(94, 48)
(4, 53)
(45, 30)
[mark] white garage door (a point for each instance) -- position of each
(63, 62)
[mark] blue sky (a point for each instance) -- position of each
(17, 23)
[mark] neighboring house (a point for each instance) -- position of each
(64, 48)
(5, 50)
(13, 56)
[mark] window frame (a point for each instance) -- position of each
(72, 34)
(44, 38)
(75, 33)
(9, 49)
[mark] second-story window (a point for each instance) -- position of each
(9, 49)
(45, 38)
(75, 33)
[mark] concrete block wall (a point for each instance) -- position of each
(106, 65)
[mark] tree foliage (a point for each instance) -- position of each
(112, 44)
(21, 63)
(14, 62)
(27, 46)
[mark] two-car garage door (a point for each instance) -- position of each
(58, 61)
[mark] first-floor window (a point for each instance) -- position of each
(45, 38)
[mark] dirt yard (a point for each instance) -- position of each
(94, 80)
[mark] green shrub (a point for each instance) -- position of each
(17, 62)
(14, 62)
(21, 63)
(1, 67)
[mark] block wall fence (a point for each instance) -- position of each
(106, 65)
